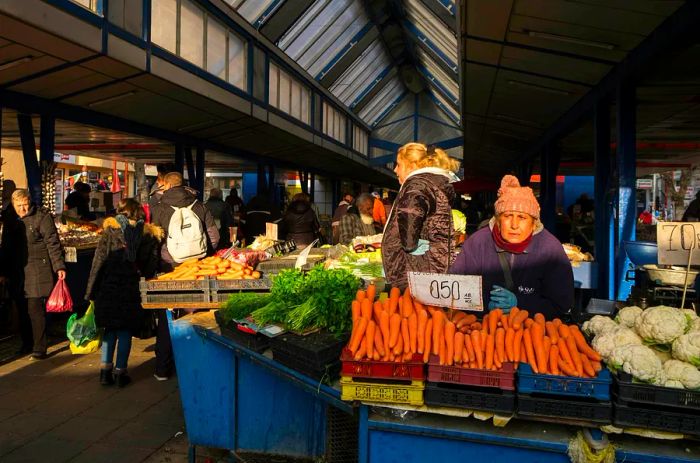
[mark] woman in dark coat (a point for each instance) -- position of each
(128, 250)
(300, 221)
(418, 233)
(31, 254)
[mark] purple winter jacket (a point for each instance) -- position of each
(542, 275)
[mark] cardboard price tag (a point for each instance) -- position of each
(675, 240)
(462, 292)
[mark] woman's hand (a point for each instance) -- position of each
(61, 274)
(502, 298)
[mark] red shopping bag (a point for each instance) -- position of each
(60, 300)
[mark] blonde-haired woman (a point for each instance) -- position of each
(418, 233)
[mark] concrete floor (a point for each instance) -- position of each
(55, 410)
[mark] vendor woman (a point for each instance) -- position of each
(521, 263)
(418, 232)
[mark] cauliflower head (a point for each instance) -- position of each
(674, 383)
(683, 372)
(661, 324)
(640, 362)
(663, 355)
(606, 342)
(627, 316)
(687, 348)
(694, 326)
(599, 325)
(690, 314)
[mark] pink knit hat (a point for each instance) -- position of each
(513, 197)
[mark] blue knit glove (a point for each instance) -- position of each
(502, 298)
(423, 247)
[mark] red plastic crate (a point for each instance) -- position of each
(503, 379)
(413, 370)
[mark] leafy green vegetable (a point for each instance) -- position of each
(274, 312)
(240, 305)
(288, 287)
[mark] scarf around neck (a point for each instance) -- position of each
(516, 248)
(132, 236)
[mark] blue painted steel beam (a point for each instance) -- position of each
(437, 121)
(413, 29)
(267, 14)
(682, 22)
(370, 86)
(382, 160)
(383, 144)
(47, 138)
(442, 107)
(604, 219)
(548, 187)
(396, 121)
(437, 84)
(449, 143)
(627, 182)
(390, 108)
(344, 51)
(31, 165)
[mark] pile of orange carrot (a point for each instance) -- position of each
(398, 327)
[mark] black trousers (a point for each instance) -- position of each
(164, 347)
(32, 323)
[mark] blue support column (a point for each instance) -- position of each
(548, 187)
(627, 175)
(189, 162)
(31, 164)
(604, 219)
(262, 181)
(180, 157)
(273, 192)
(199, 173)
(47, 138)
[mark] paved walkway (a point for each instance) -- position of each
(56, 411)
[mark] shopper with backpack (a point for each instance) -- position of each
(190, 233)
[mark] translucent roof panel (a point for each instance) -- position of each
(320, 34)
(444, 105)
(363, 74)
(434, 33)
(255, 11)
(383, 102)
(439, 78)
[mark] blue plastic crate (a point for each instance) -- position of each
(595, 388)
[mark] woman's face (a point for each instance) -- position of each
(515, 227)
(402, 169)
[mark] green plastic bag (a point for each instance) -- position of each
(82, 330)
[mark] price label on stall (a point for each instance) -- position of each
(675, 240)
(462, 292)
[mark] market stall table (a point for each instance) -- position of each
(237, 399)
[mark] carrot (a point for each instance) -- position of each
(438, 322)
(523, 351)
(582, 345)
(362, 350)
(385, 305)
(469, 352)
(407, 356)
(457, 316)
(529, 322)
(575, 356)
(400, 308)
(552, 332)
(511, 316)
(384, 327)
(517, 344)
(394, 296)
(547, 346)
(399, 347)
(378, 309)
(537, 336)
(510, 337)
(504, 321)
(596, 366)
(458, 347)
(413, 331)
(519, 319)
(475, 326)
(427, 341)
(422, 322)
(557, 322)
(564, 352)
(485, 323)
(366, 308)
(566, 368)
(450, 341)
(358, 335)
(494, 317)
(379, 342)
(488, 361)
(587, 366)
(407, 308)
(376, 354)
(539, 318)
(500, 341)
(404, 335)
(371, 326)
(478, 352)
(484, 334)
(361, 295)
(418, 306)
(467, 320)
(394, 329)
(371, 292)
(554, 360)
(530, 351)
(355, 310)
(564, 331)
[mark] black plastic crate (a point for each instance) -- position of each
(565, 408)
(256, 342)
(474, 398)
(660, 418)
(326, 373)
(341, 436)
(317, 349)
(629, 391)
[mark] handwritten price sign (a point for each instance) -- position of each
(462, 292)
(675, 240)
